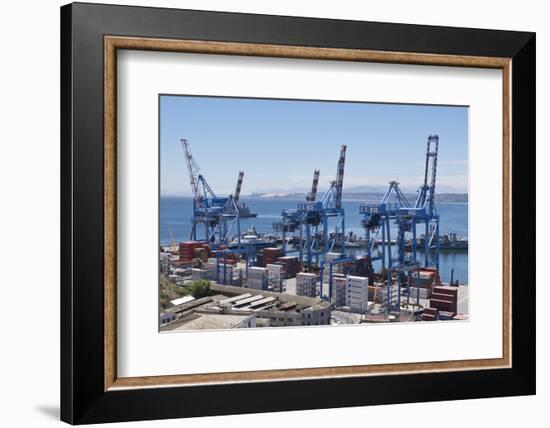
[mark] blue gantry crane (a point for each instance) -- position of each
(377, 219)
(425, 206)
(218, 216)
(399, 258)
(311, 218)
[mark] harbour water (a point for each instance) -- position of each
(175, 218)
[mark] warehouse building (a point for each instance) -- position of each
(235, 307)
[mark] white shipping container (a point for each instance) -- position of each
(357, 279)
(302, 276)
(306, 284)
(424, 293)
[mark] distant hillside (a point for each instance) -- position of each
(367, 196)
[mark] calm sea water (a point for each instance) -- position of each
(175, 217)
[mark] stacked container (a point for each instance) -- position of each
(430, 314)
(187, 250)
(357, 296)
(445, 299)
(257, 278)
(291, 265)
(422, 293)
(339, 287)
(211, 266)
(227, 273)
(306, 284)
(275, 277)
(270, 255)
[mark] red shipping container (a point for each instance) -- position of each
(444, 289)
(445, 297)
(430, 311)
(442, 305)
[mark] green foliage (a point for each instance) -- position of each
(199, 288)
(183, 291)
(168, 291)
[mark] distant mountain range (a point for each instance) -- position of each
(372, 196)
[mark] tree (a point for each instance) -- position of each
(199, 288)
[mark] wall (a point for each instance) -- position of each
(29, 165)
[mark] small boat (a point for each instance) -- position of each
(251, 238)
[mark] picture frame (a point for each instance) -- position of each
(91, 391)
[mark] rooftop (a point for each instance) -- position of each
(290, 299)
(199, 321)
(230, 306)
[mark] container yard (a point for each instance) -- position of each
(308, 272)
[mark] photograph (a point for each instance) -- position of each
(299, 213)
(256, 205)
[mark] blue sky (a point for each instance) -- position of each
(278, 143)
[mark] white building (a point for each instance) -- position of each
(357, 293)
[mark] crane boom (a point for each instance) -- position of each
(435, 140)
(426, 194)
(339, 183)
(238, 188)
(313, 194)
(192, 168)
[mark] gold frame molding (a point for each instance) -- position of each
(113, 43)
